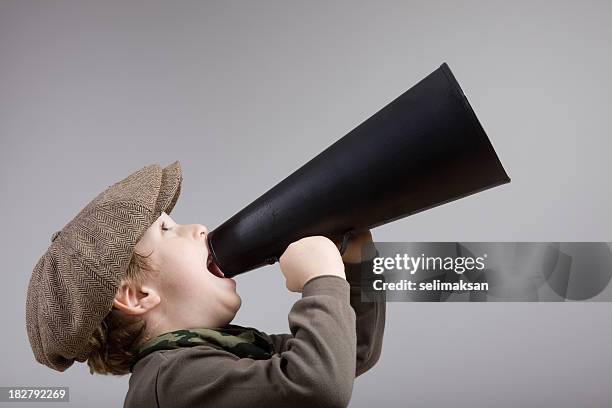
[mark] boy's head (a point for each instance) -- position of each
(183, 293)
(123, 271)
(167, 287)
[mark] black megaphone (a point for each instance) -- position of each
(423, 149)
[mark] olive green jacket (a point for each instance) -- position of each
(334, 338)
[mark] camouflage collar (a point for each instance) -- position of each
(240, 341)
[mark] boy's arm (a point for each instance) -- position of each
(370, 316)
(316, 367)
(370, 321)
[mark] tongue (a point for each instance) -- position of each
(215, 270)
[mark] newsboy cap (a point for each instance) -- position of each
(73, 284)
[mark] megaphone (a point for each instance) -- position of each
(425, 148)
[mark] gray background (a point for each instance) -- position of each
(244, 93)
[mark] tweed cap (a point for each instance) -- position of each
(73, 284)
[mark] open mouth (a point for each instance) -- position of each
(213, 268)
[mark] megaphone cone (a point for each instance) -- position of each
(424, 149)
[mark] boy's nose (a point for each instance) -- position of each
(202, 229)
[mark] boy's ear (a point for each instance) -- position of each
(134, 300)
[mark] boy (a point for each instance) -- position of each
(127, 289)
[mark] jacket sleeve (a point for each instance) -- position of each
(315, 369)
(370, 318)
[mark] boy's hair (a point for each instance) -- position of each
(115, 341)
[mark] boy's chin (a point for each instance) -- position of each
(238, 305)
(232, 313)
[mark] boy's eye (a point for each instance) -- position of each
(163, 227)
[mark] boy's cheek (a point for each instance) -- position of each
(175, 285)
(190, 284)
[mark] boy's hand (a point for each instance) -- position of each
(308, 258)
(353, 254)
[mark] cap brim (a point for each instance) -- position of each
(170, 188)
